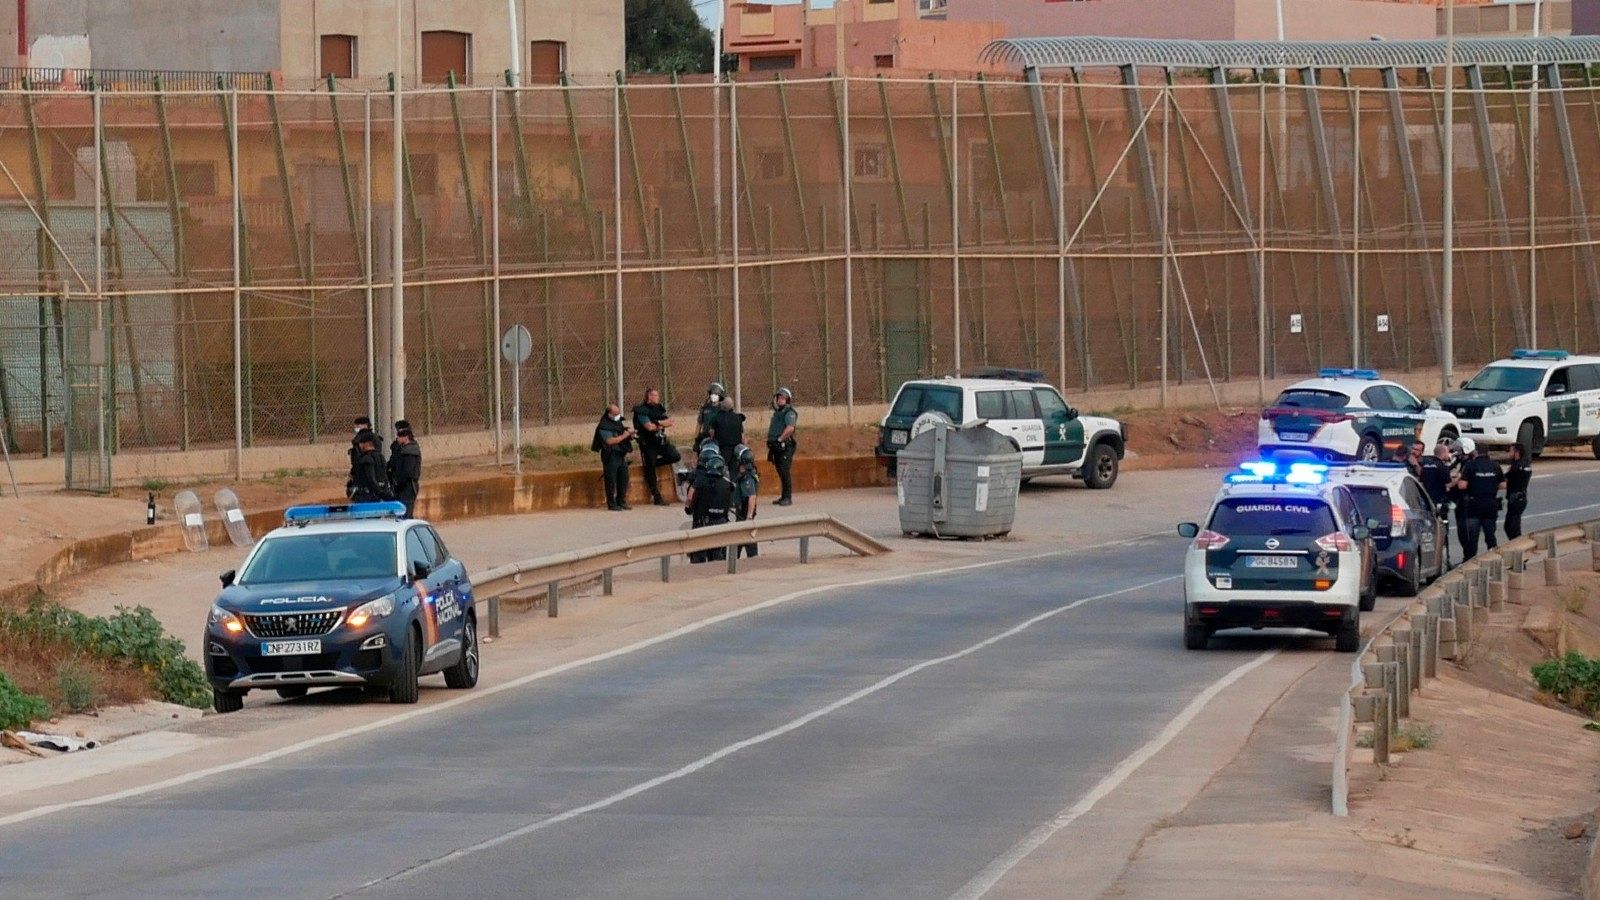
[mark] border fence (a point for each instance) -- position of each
(214, 267)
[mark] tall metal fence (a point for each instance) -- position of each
(836, 236)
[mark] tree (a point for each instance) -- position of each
(665, 36)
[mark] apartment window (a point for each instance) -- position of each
(338, 56)
(773, 63)
(547, 62)
(444, 52)
(869, 163)
(883, 60)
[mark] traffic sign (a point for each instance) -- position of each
(516, 345)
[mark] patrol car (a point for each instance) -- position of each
(1536, 398)
(1055, 439)
(1281, 548)
(1409, 538)
(346, 596)
(1351, 414)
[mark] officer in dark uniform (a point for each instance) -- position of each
(746, 485)
(1518, 476)
(1480, 482)
(650, 422)
(710, 500)
(405, 467)
(727, 429)
(708, 410)
(361, 423)
(368, 478)
(1413, 459)
(780, 442)
(1434, 473)
(613, 440)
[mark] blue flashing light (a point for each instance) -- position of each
(1363, 374)
(1525, 353)
(1243, 478)
(322, 512)
(1270, 472)
(1262, 468)
(1306, 473)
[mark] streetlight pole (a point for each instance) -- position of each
(1447, 364)
(516, 42)
(397, 252)
(1533, 184)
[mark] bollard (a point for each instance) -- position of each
(1391, 690)
(1430, 646)
(1447, 639)
(553, 597)
(1362, 707)
(1495, 566)
(494, 617)
(666, 568)
(1552, 572)
(733, 560)
(1380, 728)
(1594, 556)
(1463, 627)
(1517, 581)
(605, 583)
(1546, 542)
(1415, 658)
(1372, 675)
(1497, 595)
(1514, 559)
(1402, 677)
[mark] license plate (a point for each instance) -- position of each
(291, 648)
(1293, 436)
(898, 438)
(1272, 562)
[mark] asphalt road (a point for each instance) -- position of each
(883, 741)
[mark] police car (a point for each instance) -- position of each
(1351, 414)
(1281, 548)
(348, 596)
(1536, 398)
(1409, 538)
(1055, 439)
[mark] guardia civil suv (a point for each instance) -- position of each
(1536, 398)
(1055, 439)
(342, 596)
(1280, 548)
(1351, 414)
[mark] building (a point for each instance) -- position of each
(306, 40)
(1515, 19)
(1243, 20)
(878, 34)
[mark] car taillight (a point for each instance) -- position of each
(1210, 540)
(1397, 519)
(1328, 418)
(1337, 542)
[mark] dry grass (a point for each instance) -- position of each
(69, 680)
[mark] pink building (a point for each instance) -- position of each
(878, 34)
(1244, 20)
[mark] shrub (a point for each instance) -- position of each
(1573, 679)
(155, 485)
(18, 709)
(134, 635)
(80, 690)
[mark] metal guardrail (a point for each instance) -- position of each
(604, 559)
(1440, 624)
(51, 79)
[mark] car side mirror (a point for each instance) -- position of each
(227, 578)
(420, 571)
(1072, 412)
(1463, 385)
(1188, 529)
(1361, 532)
(1374, 524)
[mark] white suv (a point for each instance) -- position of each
(1535, 398)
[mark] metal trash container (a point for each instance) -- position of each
(958, 482)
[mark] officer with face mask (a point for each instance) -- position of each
(613, 440)
(708, 410)
(780, 442)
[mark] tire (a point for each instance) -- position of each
(1370, 449)
(404, 687)
(1100, 467)
(1411, 583)
(292, 693)
(464, 674)
(1531, 437)
(1195, 637)
(1348, 638)
(227, 701)
(1369, 597)
(1594, 446)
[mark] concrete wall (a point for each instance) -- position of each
(236, 35)
(1586, 16)
(1205, 19)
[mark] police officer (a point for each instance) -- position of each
(361, 423)
(727, 429)
(650, 422)
(1480, 481)
(708, 410)
(613, 440)
(1518, 476)
(368, 478)
(1413, 460)
(710, 499)
(1434, 473)
(405, 467)
(746, 485)
(780, 442)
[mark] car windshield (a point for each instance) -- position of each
(914, 400)
(1373, 502)
(1273, 516)
(1310, 399)
(1516, 379)
(322, 557)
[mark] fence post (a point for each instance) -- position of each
(1381, 731)
(605, 582)
(494, 617)
(805, 550)
(553, 597)
(666, 569)
(1552, 571)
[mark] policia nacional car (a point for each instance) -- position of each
(345, 596)
(1409, 537)
(1280, 548)
(1350, 414)
(1055, 439)
(1536, 398)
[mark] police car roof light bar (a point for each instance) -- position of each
(1267, 471)
(1525, 353)
(1363, 374)
(322, 512)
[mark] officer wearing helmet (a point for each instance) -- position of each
(708, 410)
(710, 499)
(369, 478)
(1480, 482)
(780, 442)
(746, 484)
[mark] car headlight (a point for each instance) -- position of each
(1499, 409)
(366, 612)
(226, 620)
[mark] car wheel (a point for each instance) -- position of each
(1594, 446)
(1195, 637)
(404, 687)
(1370, 448)
(1101, 467)
(1411, 582)
(1369, 595)
(292, 693)
(1531, 438)
(464, 673)
(227, 701)
(1348, 638)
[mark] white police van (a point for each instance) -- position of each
(1055, 438)
(1351, 414)
(1536, 398)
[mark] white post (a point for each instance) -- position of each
(1261, 246)
(849, 263)
(1166, 241)
(494, 284)
(1061, 239)
(738, 331)
(100, 291)
(238, 293)
(955, 216)
(397, 252)
(366, 218)
(1533, 184)
(1447, 365)
(616, 187)
(1355, 234)
(716, 153)
(515, 35)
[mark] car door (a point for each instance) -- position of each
(1030, 429)
(444, 587)
(1424, 524)
(1063, 431)
(1585, 386)
(1562, 405)
(1350, 512)
(1415, 418)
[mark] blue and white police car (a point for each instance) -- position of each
(1280, 548)
(1351, 414)
(343, 596)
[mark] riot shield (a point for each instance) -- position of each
(680, 480)
(192, 519)
(227, 503)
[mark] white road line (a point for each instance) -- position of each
(1564, 474)
(1557, 512)
(484, 693)
(729, 750)
(1000, 867)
